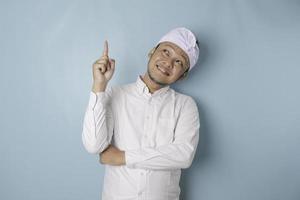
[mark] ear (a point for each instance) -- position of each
(183, 76)
(151, 52)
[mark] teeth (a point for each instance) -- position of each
(162, 70)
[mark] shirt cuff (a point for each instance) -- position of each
(129, 158)
(99, 97)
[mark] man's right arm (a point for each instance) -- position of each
(98, 122)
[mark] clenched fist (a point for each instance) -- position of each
(112, 156)
(103, 70)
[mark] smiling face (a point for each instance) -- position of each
(167, 63)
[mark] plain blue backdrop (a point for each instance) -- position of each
(246, 85)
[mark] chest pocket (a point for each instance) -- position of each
(164, 131)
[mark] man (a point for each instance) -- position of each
(145, 132)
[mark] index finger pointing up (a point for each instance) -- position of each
(105, 50)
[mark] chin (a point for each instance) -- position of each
(158, 78)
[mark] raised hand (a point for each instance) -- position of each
(103, 69)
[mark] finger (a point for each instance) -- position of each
(112, 63)
(105, 50)
(102, 61)
(108, 67)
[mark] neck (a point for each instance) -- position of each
(152, 86)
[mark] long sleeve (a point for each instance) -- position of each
(98, 122)
(178, 154)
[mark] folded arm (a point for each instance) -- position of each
(178, 154)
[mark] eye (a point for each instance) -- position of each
(166, 52)
(179, 62)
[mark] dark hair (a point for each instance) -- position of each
(197, 43)
(157, 46)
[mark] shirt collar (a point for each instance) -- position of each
(143, 89)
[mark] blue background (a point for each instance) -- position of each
(246, 85)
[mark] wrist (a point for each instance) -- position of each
(122, 158)
(99, 87)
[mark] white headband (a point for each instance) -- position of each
(186, 40)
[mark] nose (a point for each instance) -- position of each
(167, 63)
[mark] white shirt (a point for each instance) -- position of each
(159, 133)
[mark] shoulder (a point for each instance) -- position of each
(186, 102)
(116, 90)
(184, 98)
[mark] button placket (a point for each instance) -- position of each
(147, 122)
(143, 184)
